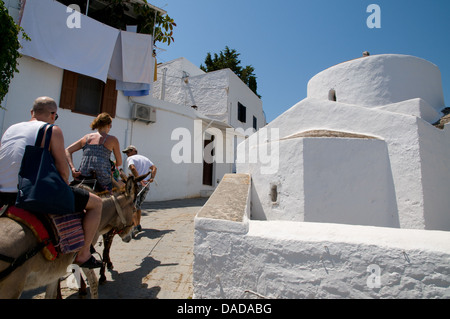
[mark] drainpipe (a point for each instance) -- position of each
(163, 85)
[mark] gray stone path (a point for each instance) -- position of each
(157, 263)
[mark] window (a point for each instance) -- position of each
(242, 113)
(86, 95)
(332, 95)
(255, 123)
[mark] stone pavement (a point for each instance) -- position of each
(157, 264)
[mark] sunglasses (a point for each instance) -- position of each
(56, 116)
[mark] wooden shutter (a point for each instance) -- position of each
(68, 90)
(109, 99)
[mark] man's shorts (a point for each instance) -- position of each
(141, 195)
(81, 198)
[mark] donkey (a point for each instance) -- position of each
(17, 239)
(91, 184)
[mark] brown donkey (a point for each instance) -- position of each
(17, 239)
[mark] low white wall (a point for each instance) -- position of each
(280, 259)
(240, 258)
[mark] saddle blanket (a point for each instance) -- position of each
(68, 231)
(35, 225)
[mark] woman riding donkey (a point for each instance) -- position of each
(97, 170)
(97, 148)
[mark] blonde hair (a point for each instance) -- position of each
(102, 120)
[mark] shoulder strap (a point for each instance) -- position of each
(48, 136)
(40, 135)
(106, 137)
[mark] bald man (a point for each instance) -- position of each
(12, 149)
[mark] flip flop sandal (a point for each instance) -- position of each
(91, 263)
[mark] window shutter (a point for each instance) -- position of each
(109, 98)
(68, 90)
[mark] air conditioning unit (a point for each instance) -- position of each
(144, 113)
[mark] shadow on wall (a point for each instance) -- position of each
(256, 208)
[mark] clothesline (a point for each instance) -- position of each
(93, 49)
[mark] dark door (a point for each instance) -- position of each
(208, 167)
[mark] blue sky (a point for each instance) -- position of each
(289, 41)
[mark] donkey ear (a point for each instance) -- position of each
(140, 178)
(129, 186)
(123, 176)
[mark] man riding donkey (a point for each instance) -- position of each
(12, 149)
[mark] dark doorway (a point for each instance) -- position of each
(208, 164)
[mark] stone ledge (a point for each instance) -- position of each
(228, 207)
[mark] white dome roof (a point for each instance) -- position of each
(379, 80)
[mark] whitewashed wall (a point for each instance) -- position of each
(435, 163)
(170, 85)
(240, 92)
(282, 259)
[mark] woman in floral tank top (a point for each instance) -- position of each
(97, 148)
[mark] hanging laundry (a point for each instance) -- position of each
(86, 49)
(133, 89)
(132, 63)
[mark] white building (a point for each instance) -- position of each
(357, 205)
(393, 173)
(218, 95)
(147, 121)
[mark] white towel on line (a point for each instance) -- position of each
(86, 50)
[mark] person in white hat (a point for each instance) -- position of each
(139, 165)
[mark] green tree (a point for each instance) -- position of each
(230, 59)
(9, 53)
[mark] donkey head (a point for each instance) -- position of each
(131, 184)
(125, 206)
